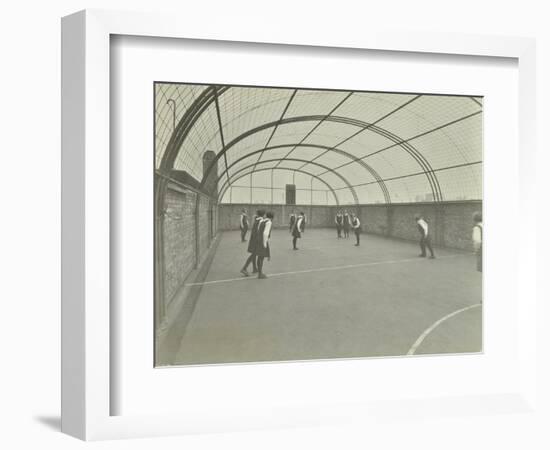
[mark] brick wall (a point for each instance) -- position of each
(457, 224)
(178, 239)
(317, 216)
(450, 222)
(182, 231)
(204, 223)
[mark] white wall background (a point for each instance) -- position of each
(29, 228)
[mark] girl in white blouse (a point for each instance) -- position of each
(477, 240)
(356, 225)
(264, 233)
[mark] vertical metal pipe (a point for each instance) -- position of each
(159, 254)
(172, 102)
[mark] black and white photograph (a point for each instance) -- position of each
(297, 223)
(255, 226)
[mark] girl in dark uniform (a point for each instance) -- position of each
(264, 233)
(347, 224)
(339, 219)
(252, 243)
(291, 221)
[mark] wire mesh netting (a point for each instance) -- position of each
(335, 146)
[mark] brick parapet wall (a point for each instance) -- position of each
(189, 225)
(317, 216)
(450, 222)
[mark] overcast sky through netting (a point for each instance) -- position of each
(340, 147)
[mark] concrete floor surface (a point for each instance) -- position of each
(330, 299)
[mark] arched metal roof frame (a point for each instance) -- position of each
(364, 126)
(393, 111)
(339, 175)
(426, 167)
(414, 174)
(372, 172)
(212, 93)
(282, 169)
(405, 142)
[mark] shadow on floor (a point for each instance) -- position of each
(51, 422)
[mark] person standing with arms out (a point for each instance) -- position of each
(356, 225)
(339, 220)
(425, 236)
(477, 239)
(264, 233)
(297, 230)
(253, 244)
(347, 224)
(243, 225)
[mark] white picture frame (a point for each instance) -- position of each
(86, 284)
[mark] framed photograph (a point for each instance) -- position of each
(287, 228)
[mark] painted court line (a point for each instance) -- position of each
(320, 269)
(423, 336)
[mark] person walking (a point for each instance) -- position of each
(425, 236)
(356, 225)
(243, 225)
(347, 224)
(339, 221)
(477, 239)
(253, 244)
(297, 230)
(264, 233)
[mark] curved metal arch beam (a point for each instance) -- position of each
(367, 167)
(417, 156)
(427, 168)
(186, 123)
(208, 96)
(422, 161)
(346, 182)
(227, 186)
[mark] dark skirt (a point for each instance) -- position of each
(263, 251)
(253, 238)
(253, 241)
